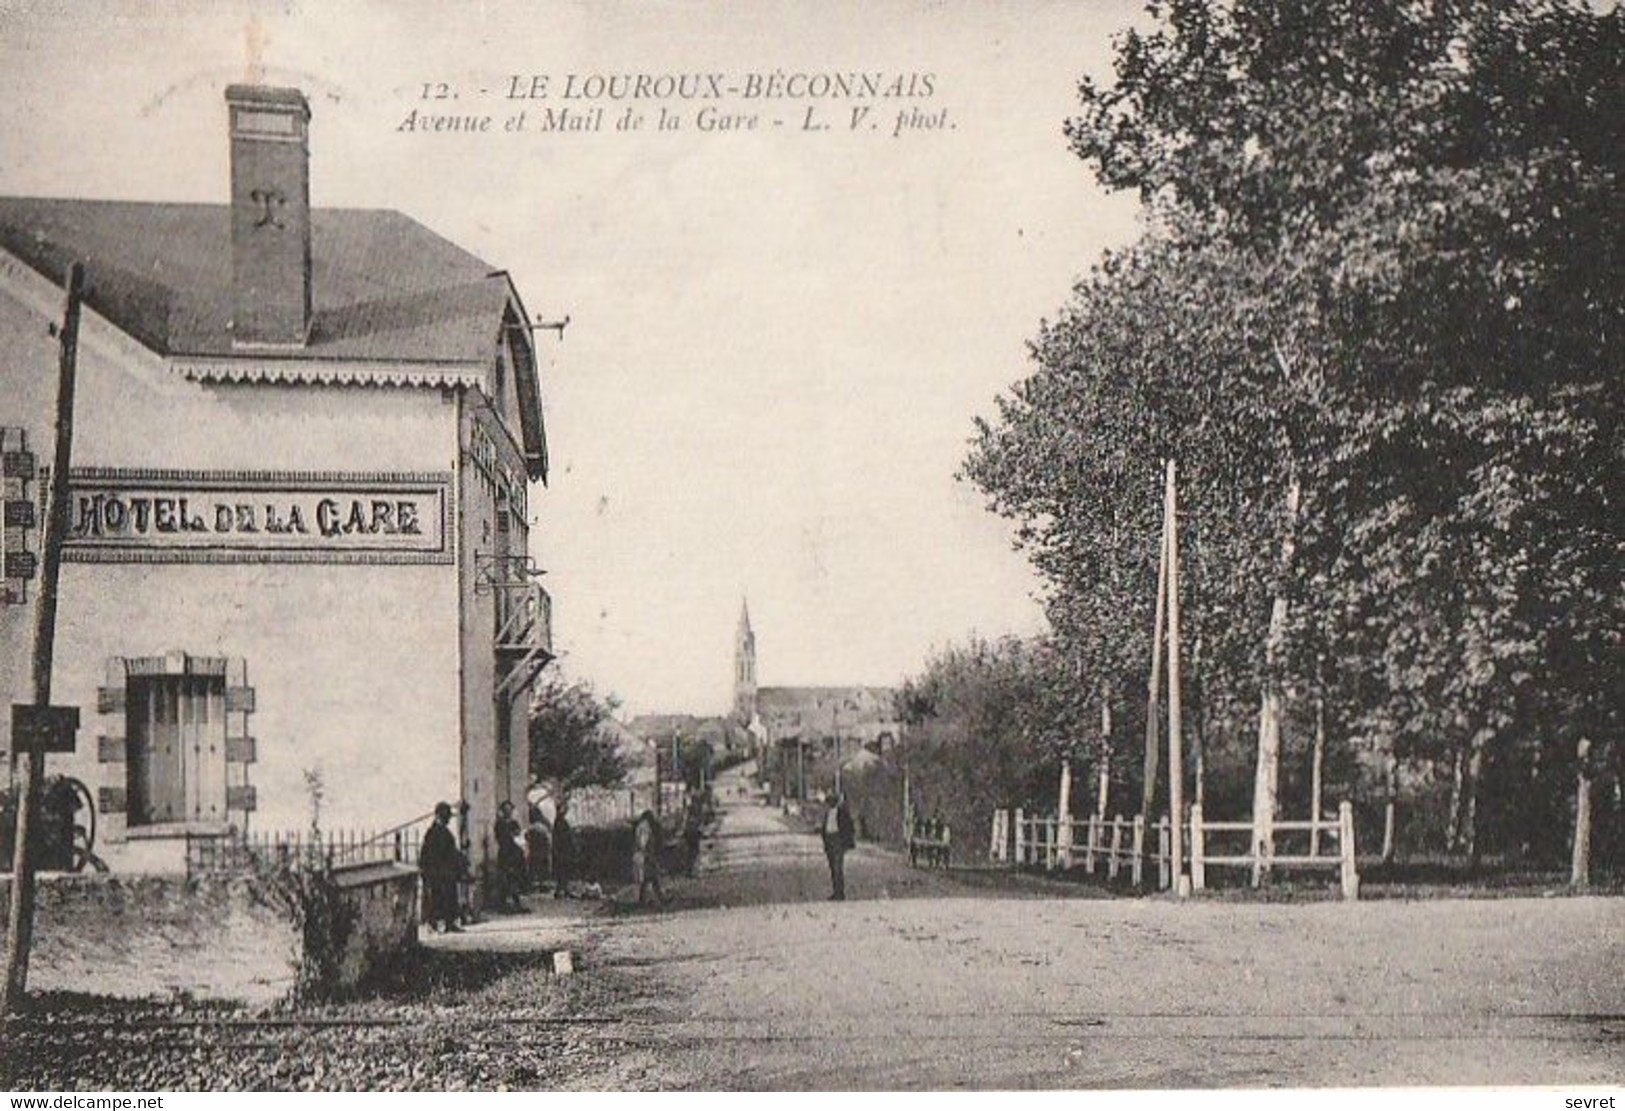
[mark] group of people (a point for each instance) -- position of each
(524, 858)
(445, 866)
(527, 856)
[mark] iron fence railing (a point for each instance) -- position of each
(303, 849)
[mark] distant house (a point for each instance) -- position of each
(728, 740)
(303, 452)
(798, 725)
(636, 753)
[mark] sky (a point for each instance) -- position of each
(778, 337)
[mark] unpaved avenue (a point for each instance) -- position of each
(918, 982)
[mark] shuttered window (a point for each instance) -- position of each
(175, 748)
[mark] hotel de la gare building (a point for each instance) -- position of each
(298, 556)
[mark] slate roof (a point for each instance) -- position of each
(866, 703)
(660, 727)
(386, 290)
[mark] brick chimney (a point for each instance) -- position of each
(270, 216)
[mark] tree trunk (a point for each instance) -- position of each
(1580, 862)
(1063, 815)
(1469, 822)
(1103, 783)
(1391, 798)
(1267, 776)
(1317, 761)
(1199, 740)
(1452, 833)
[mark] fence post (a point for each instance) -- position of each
(1198, 850)
(1345, 846)
(995, 847)
(1021, 838)
(1164, 854)
(1093, 839)
(1117, 846)
(1137, 861)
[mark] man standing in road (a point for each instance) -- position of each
(838, 838)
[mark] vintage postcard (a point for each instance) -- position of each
(783, 546)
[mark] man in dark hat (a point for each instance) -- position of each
(839, 836)
(441, 863)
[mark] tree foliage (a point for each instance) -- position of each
(568, 744)
(1382, 262)
(985, 725)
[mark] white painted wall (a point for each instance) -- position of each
(355, 667)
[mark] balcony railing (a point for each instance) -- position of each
(524, 618)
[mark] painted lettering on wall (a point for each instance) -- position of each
(172, 516)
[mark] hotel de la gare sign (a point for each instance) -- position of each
(158, 516)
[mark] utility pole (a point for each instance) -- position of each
(908, 806)
(1148, 794)
(1176, 754)
(30, 767)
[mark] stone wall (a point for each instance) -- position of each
(211, 938)
(385, 900)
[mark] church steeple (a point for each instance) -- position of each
(744, 667)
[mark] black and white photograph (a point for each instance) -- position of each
(916, 547)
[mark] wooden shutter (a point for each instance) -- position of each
(202, 730)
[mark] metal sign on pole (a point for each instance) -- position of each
(43, 728)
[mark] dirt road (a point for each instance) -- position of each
(920, 981)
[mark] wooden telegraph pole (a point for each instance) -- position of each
(1176, 751)
(30, 766)
(1148, 794)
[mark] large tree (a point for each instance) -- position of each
(568, 742)
(1382, 269)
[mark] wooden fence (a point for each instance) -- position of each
(1319, 832)
(1116, 844)
(1048, 843)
